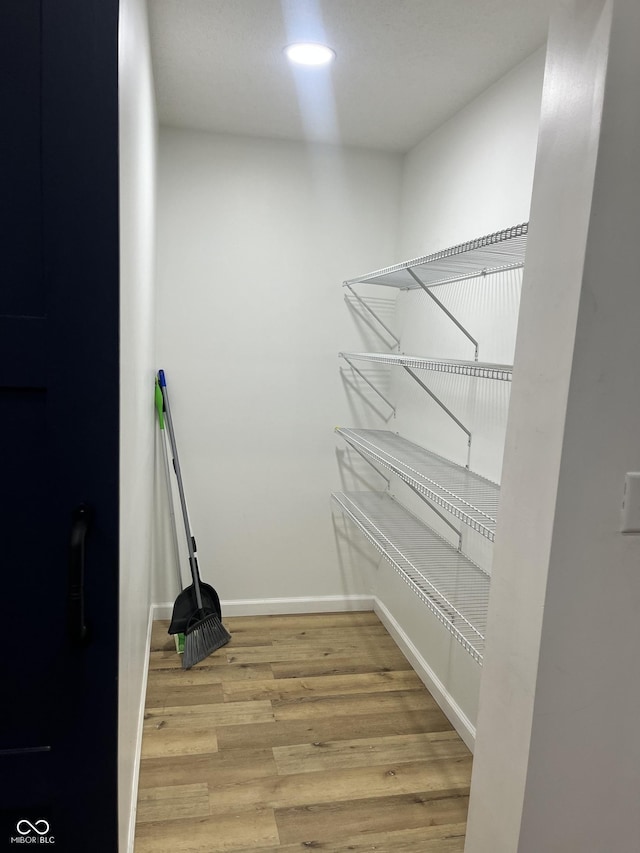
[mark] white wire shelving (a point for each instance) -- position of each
(493, 253)
(469, 497)
(480, 369)
(485, 256)
(452, 587)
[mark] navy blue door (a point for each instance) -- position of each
(59, 424)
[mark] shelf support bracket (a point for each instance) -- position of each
(370, 310)
(446, 310)
(368, 461)
(436, 399)
(369, 383)
(438, 513)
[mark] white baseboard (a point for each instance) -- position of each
(278, 606)
(452, 710)
(162, 611)
(310, 604)
(138, 744)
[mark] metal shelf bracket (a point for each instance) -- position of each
(370, 310)
(372, 464)
(444, 408)
(369, 383)
(441, 515)
(446, 310)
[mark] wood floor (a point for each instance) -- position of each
(304, 732)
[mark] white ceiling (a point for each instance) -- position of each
(403, 67)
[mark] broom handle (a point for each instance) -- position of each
(159, 401)
(167, 472)
(183, 503)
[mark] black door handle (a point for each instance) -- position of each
(77, 624)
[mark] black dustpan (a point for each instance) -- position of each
(186, 603)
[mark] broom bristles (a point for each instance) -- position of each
(203, 638)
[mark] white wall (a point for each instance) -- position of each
(137, 334)
(254, 240)
(557, 767)
(473, 176)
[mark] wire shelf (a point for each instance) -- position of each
(467, 496)
(453, 588)
(481, 369)
(504, 250)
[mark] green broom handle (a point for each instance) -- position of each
(183, 503)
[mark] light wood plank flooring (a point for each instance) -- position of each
(304, 732)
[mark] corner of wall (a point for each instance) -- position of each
(138, 132)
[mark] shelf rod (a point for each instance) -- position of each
(444, 408)
(445, 309)
(369, 383)
(373, 314)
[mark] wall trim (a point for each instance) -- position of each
(445, 700)
(162, 611)
(138, 742)
(278, 606)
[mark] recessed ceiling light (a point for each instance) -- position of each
(309, 54)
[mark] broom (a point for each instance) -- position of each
(159, 401)
(203, 630)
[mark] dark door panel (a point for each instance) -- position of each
(59, 419)
(22, 291)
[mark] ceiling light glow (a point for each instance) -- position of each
(309, 54)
